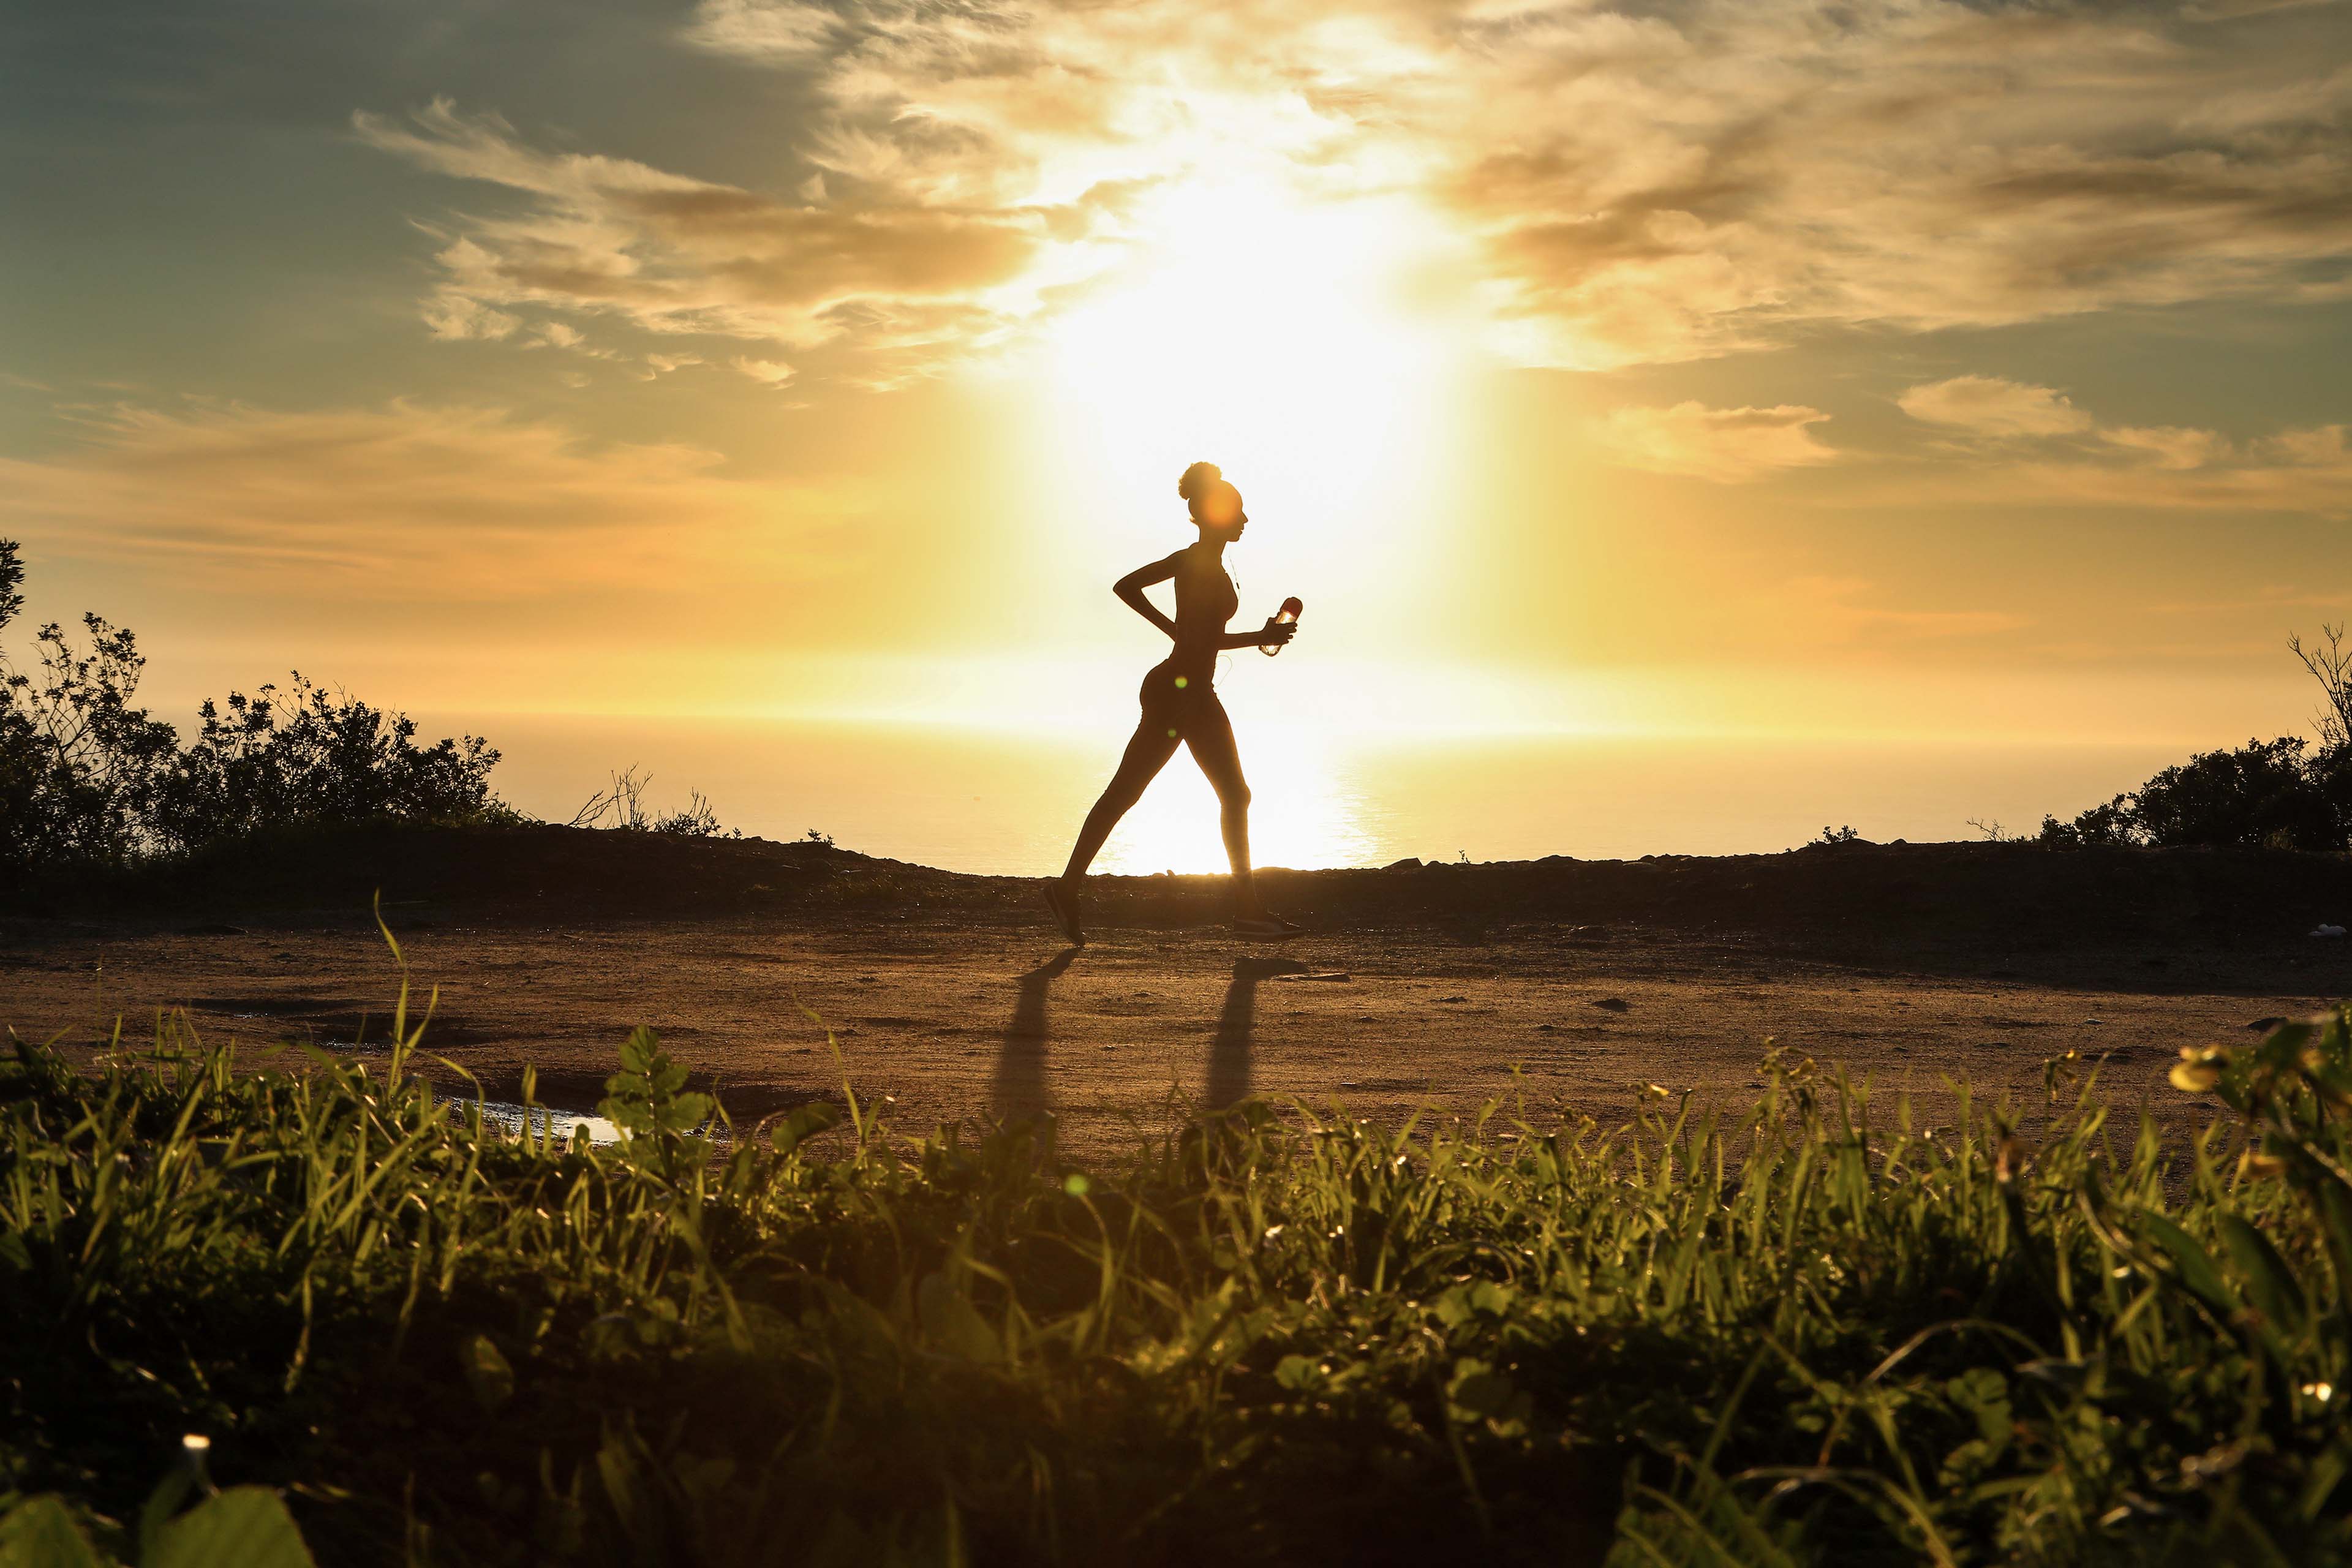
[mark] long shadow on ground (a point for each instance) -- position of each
(1020, 1089)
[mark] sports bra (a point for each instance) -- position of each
(1220, 606)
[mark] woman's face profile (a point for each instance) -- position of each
(1221, 513)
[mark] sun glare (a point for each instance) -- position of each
(1277, 335)
(1302, 813)
(1270, 333)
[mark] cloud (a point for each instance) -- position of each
(2079, 461)
(406, 506)
(2306, 471)
(453, 317)
(1649, 183)
(668, 252)
(1725, 444)
(757, 30)
(2169, 445)
(1989, 406)
(2237, 10)
(1719, 175)
(767, 372)
(2313, 99)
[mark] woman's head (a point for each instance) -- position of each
(1216, 505)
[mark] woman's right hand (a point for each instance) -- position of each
(1277, 633)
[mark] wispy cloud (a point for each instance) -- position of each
(1989, 406)
(455, 318)
(2305, 470)
(2169, 445)
(668, 252)
(766, 372)
(1725, 444)
(2237, 10)
(752, 28)
(404, 504)
(1719, 173)
(2033, 443)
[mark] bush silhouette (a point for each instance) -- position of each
(2276, 794)
(2272, 794)
(88, 778)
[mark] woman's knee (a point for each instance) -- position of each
(1116, 798)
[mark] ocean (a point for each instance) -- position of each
(975, 799)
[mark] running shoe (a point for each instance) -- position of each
(1266, 926)
(1064, 901)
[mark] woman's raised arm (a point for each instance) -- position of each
(1130, 589)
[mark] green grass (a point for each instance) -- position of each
(1812, 1332)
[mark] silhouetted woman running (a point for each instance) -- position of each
(1180, 702)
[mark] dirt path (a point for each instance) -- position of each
(958, 1018)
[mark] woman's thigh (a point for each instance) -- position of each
(1211, 736)
(1148, 750)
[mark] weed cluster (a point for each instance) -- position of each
(1799, 1335)
(621, 805)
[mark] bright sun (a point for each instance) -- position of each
(1268, 334)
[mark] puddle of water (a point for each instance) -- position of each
(539, 1120)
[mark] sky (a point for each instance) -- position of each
(1875, 368)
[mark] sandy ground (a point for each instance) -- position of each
(958, 1018)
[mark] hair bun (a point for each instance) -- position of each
(1197, 480)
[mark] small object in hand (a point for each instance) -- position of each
(1286, 616)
